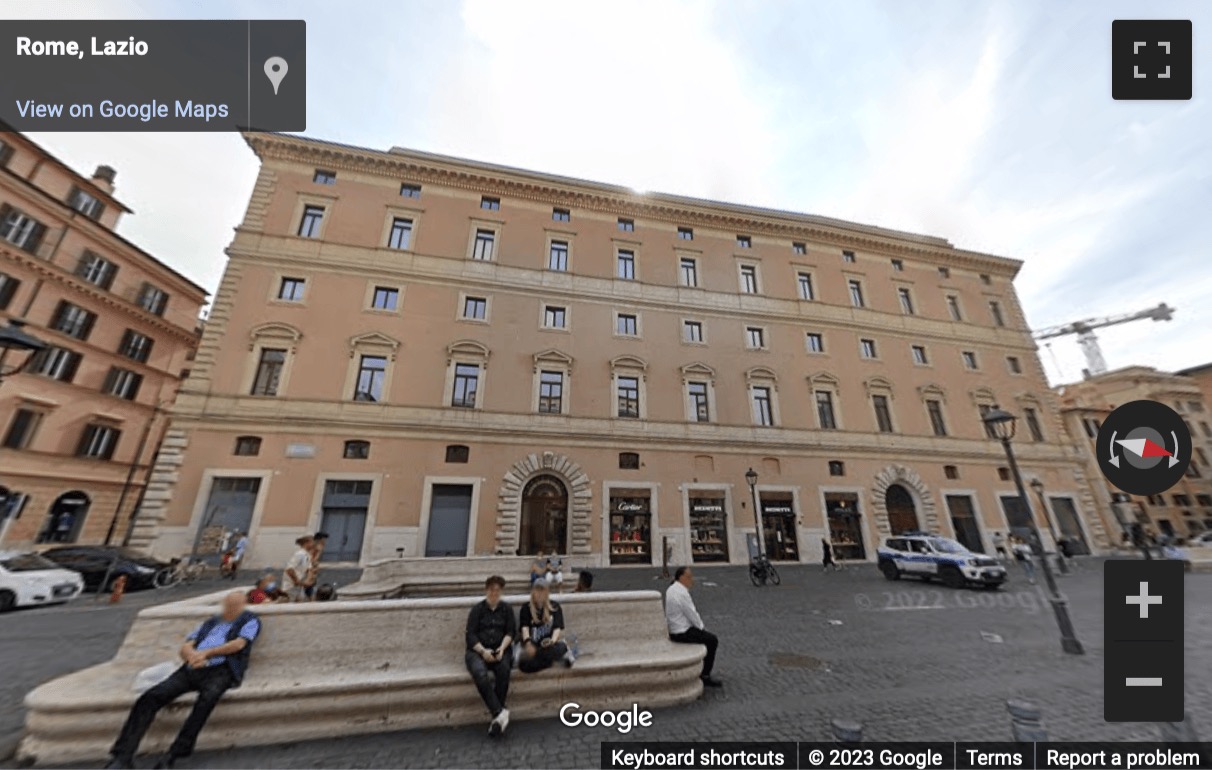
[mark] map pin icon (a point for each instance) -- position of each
(275, 70)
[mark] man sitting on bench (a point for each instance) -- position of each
(491, 629)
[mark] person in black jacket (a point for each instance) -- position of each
(216, 657)
(491, 629)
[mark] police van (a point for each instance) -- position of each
(926, 556)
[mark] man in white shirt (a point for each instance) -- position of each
(685, 625)
(298, 570)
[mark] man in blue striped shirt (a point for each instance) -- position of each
(216, 657)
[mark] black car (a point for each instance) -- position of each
(94, 561)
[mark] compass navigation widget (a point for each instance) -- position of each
(1144, 448)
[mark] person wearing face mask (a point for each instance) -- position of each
(267, 590)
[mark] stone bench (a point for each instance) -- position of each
(348, 667)
(443, 576)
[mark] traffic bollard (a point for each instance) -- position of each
(1025, 724)
(847, 731)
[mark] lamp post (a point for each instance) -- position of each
(752, 477)
(14, 338)
(1038, 486)
(1001, 423)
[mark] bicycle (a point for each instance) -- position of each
(761, 571)
(180, 571)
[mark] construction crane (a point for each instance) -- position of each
(1085, 332)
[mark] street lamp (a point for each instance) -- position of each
(1038, 485)
(14, 338)
(752, 477)
(1001, 424)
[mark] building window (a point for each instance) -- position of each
(357, 450)
(944, 272)
(824, 410)
(6, 152)
(692, 331)
(898, 266)
(984, 410)
(1003, 473)
(919, 355)
(466, 383)
(906, 300)
(1204, 500)
(699, 404)
(763, 407)
(628, 396)
(561, 215)
(799, 248)
(805, 284)
(685, 234)
(385, 298)
(482, 249)
(269, 372)
(856, 293)
(152, 299)
(867, 348)
(953, 308)
(689, 268)
(8, 288)
(557, 259)
(935, 409)
(744, 242)
(401, 233)
(837, 468)
(72, 320)
(291, 289)
(995, 310)
(951, 472)
(555, 317)
(883, 415)
(749, 279)
(475, 308)
(969, 360)
(135, 346)
(97, 270)
(816, 342)
(458, 453)
(1182, 500)
(1195, 406)
(122, 383)
(627, 325)
(489, 203)
(56, 363)
(21, 230)
(551, 392)
(309, 225)
(626, 225)
(98, 442)
(755, 337)
(325, 177)
(22, 429)
(848, 256)
(626, 264)
(1032, 418)
(372, 373)
(629, 461)
(985, 279)
(1013, 364)
(248, 446)
(410, 190)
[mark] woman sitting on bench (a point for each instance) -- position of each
(541, 624)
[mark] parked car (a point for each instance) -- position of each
(29, 580)
(1202, 540)
(925, 556)
(93, 562)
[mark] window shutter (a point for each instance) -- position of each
(136, 383)
(86, 438)
(35, 238)
(73, 363)
(110, 380)
(107, 279)
(114, 437)
(87, 328)
(8, 287)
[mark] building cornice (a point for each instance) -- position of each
(415, 166)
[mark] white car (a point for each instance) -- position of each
(30, 580)
(1203, 540)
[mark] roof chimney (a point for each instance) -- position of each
(104, 178)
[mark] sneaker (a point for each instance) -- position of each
(710, 681)
(569, 659)
(503, 717)
(494, 727)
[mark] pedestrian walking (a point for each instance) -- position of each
(999, 545)
(299, 570)
(215, 659)
(319, 542)
(685, 625)
(491, 629)
(827, 557)
(1025, 557)
(237, 553)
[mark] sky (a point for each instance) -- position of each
(989, 124)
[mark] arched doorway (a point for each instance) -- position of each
(65, 519)
(902, 513)
(544, 525)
